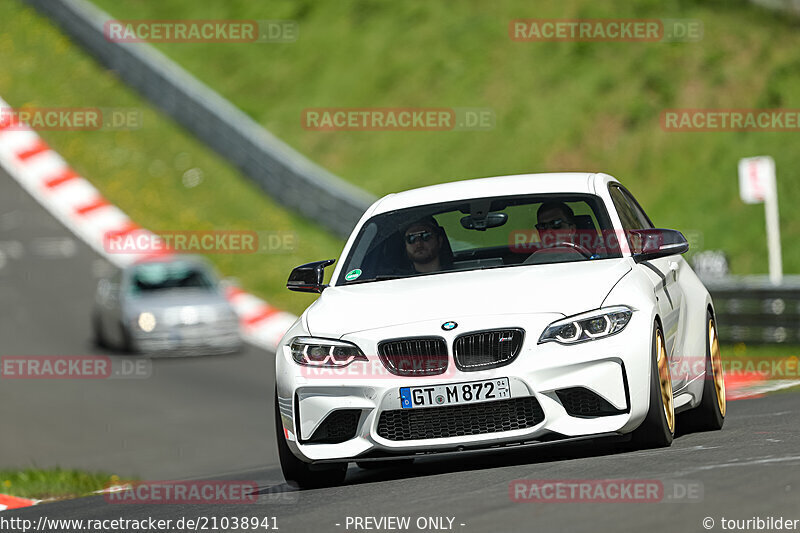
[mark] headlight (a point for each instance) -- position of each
(588, 326)
(309, 351)
(146, 322)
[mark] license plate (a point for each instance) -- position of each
(455, 393)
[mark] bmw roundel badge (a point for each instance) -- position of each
(450, 325)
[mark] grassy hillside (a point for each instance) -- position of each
(559, 106)
(142, 170)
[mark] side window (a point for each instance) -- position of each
(631, 214)
(626, 214)
(644, 220)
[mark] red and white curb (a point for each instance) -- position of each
(79, 206)
(754, 385)
(13, 502)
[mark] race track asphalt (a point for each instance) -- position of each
(192, 417)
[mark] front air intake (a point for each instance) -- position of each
(338, 426)
(583, 403)
(418, 356)
(487, 349)
(460, 420)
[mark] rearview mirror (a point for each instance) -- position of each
(491, 220)
(654, 243)
(309, 277)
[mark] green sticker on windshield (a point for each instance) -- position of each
(353, 274)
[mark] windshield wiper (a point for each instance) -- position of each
(382, 277)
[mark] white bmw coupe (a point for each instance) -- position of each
(491, 313)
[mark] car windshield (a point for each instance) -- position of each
(153, 277)
(480, 233)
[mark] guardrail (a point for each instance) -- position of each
(280, 171)
(751, 310)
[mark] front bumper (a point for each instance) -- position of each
(207, 338)
(615, 369)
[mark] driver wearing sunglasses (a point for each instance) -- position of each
(555, 223)
(423, 242)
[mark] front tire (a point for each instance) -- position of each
(299, 474)
(710, 414)
(658, 428)
(126, 340)
(98, 337)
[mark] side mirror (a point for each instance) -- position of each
(654, 243)
(309, 277)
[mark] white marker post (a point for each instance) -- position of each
(757, 184)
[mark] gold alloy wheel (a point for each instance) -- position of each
(665, 381)
(716, 365)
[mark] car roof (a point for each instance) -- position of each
(554, 182)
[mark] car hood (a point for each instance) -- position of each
(159, 301)
(565, 288)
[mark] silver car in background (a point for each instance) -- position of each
(173, 306)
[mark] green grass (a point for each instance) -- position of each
(55, 483)
(559, 106)
(141, 170)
